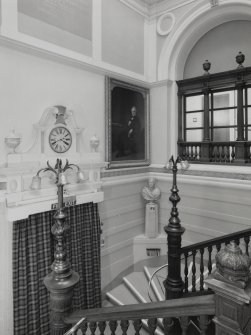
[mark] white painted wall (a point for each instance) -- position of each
(209, 207)
(220, 46)
(122, 36)
(176, 54)
(30, 84)
(31, 81)
(122, 214)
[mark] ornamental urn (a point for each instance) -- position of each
(12, 141)
(240, 59)
(206, 67)
(233, 265)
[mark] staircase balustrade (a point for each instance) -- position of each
(215, 152)
(177, 316)
(202, 254)
(187, 309)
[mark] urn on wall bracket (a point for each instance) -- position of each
(12, 141)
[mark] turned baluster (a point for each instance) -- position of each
(124, 324)
(137, 326)
(186, 272)
(102, 326)
(218, 247)
(247, 240)
(194, 272)
(218, 153)
(227, 154)
(167, 324)
(190, 152)
(152, 325)
(210, 248)
(93, 327)
(213, 154)
(201, 270)
(195, 153)
(113, 326)
(184, 152)
(184, 323)
(233, 154)
(203, 323)
(83, 327)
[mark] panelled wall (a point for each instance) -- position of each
(209, 207)
(122, 214)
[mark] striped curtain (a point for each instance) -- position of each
(33, 249)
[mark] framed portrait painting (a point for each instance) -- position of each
(127, 124)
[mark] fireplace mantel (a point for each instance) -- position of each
(20, 201)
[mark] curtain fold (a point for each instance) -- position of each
(33, 248)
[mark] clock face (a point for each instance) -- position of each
(60, 139)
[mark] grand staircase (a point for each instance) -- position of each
(145, 284)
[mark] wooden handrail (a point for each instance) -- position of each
(192, 306)
(217, 240)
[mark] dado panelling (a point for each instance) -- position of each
(209, 207)
(122, 214)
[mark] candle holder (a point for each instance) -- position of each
(173, 283)
(61, 281)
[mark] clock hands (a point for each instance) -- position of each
(60, 139)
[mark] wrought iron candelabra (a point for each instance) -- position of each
(61, 281)
(60, 266)
(173, 283)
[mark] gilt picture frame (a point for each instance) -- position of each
(127, 124)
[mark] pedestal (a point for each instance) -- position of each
(233, 308)
(151, 220)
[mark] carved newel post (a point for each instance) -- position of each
(151, 194)
(232, 286)
(61, 281)
(173, 283)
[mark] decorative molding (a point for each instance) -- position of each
(65, 56)
(120, 211)
(124, 227)
(237, 177)
(158, 8)
(22, 209)
(117, 247)
(138, 7)
(161, 19)
(214, 3)
(168, 6)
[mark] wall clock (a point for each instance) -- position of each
(60, 139)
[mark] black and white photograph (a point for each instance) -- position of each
(125, 167)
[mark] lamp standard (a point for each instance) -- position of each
(61, 281)
(173, 283)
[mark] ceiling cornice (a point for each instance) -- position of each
(156, 9)
(168, 6)
(137, 6)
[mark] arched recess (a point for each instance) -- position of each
(199, 20)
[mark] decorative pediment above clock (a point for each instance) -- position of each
(56, 136)
(58, 133)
